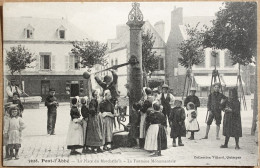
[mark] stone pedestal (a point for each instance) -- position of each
(120, 139)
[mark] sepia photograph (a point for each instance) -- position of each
(130, 83)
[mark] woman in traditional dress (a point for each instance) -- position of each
(144, 112)
(156, 139)
(107, 110)
(94, 136)
(232, 126)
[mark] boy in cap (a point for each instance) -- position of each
(52, 104)
(167, 100)
(214, 109)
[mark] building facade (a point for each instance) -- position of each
(55, 66)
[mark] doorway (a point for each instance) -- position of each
(74, 89)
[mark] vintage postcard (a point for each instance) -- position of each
(130, 84)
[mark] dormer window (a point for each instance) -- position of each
(61, 32)
(28, 32)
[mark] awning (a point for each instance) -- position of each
(203, 81)
(231, 81)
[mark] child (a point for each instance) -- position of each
(17, 101)
(13, 130)
(192, 123)
(85, 115)
(75, 132)
(156, 139)
(94, 136)
(176, 120)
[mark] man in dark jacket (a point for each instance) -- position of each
(214, 109)
(192, 98)
(109, 84)
(52, 104)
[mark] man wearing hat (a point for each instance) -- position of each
(109, 84)
(52, 104)
(214, 111)
(167, 100)
(11, 89)
(192, 98)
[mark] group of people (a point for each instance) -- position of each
(151, 114)
(92, 119)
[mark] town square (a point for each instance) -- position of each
(130, 84)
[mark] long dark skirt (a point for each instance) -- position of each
(232, 126)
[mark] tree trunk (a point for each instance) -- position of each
(255, 112)
(20, 81)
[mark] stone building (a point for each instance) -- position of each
(55, 66)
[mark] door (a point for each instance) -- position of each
(74, 90)
(45, 86)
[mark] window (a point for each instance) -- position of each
(228, 61)
(45, 62)
(214, 60)
(29, 34)
(76, 62)
(202, 64)
(161, 64)
(112, 62)
(62, 34)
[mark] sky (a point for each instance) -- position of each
(99, 19)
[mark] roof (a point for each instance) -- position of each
(45, 29)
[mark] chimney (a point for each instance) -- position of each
(176, 17)
(160, 28)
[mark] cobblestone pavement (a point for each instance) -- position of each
(40, 149)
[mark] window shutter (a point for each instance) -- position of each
(52, 63)
(37, 61)
(67, 62)
(71, 62)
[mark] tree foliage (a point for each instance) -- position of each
(235, 29)
(150, 59)
(91, 52)
(191, 49)
(19, 58)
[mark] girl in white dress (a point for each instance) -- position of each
(13, 130)
(192, 124)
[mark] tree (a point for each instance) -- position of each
(17, 59)
(235, 29)
(191, 49)
(91, 52)
(149, 58)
